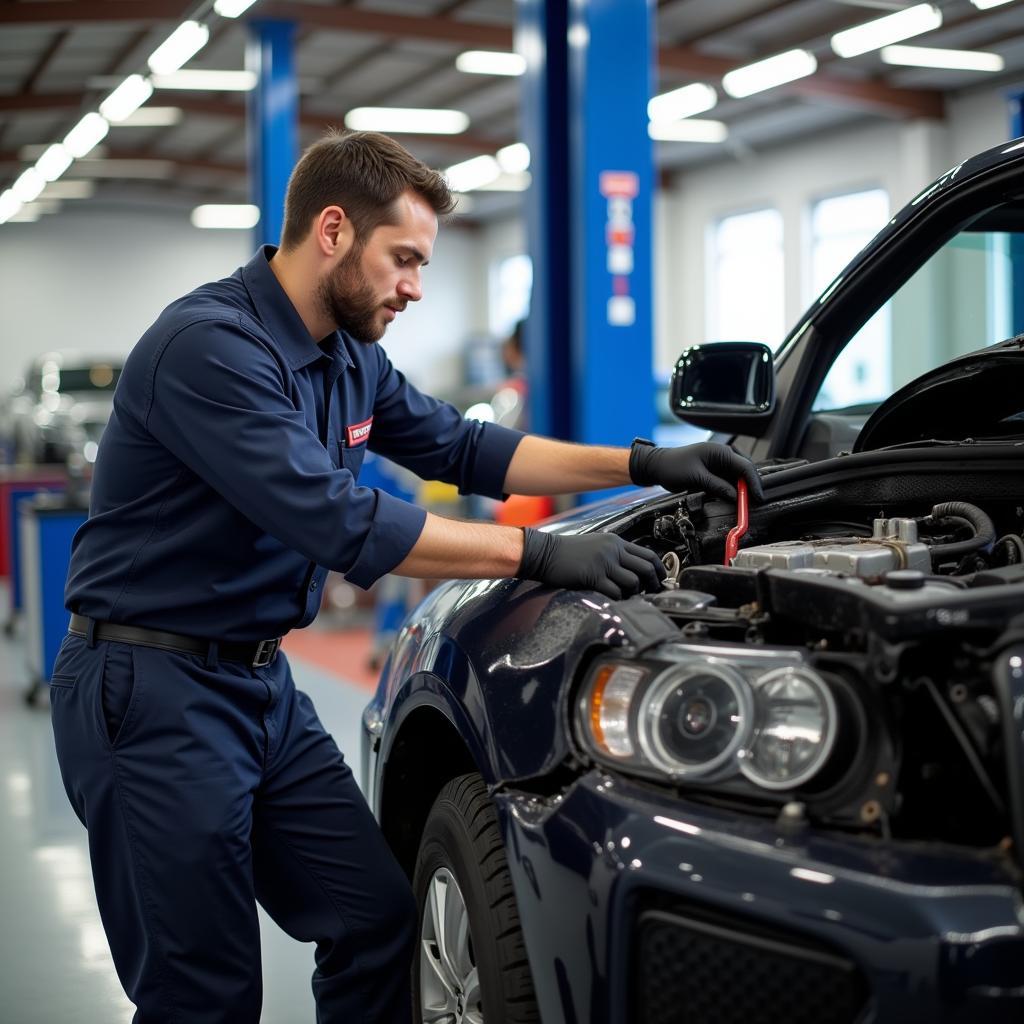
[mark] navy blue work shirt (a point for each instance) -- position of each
(226, 483)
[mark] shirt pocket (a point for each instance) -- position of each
(352, 458)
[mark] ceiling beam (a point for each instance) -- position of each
(58, 40)
(384, 23)
(80, 12)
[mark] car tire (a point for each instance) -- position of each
(479, 974)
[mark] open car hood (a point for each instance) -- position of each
(979, 396)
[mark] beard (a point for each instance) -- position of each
(348, 299)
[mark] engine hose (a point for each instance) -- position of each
(966, 515)
(1012, 547)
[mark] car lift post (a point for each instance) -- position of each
(271, 121)
(584, 103)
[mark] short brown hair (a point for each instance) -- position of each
(363, 173)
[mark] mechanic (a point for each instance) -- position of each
(225, 488)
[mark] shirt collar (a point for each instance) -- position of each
(282, 319)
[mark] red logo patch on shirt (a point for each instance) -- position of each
(359, 433)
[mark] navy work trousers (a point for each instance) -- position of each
(208, 787)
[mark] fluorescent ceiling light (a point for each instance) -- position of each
(54, 162)
(688, 130)
(152, 117)
(30, 154)
(486, 62)
(10, 204)
(514, 159)
(232, 8)
(929, 57)
(984, 5)
(207, 81)
(29, 185)
(406, 119)
(237, 217)
(85, 136)
(769, 73)
(180, 46)
(126, 98)
(69, 190)
(473, 173)
(40, 206)
(684, 102)
(27, 214)
(893, 28)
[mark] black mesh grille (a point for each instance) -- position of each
(699, 970)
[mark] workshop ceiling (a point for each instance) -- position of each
(60, 58)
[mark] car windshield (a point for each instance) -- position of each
(958, 301)
(98, 377)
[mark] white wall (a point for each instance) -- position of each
(94, 278)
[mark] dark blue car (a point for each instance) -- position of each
(789, 787)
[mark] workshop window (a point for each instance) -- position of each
(840, 226)
(746, 300)
(511, 280)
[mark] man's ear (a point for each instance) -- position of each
(333, 232)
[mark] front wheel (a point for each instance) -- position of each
(471, 966)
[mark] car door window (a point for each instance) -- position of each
(958, 301)
(841, 226)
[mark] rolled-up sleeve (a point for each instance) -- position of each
(433, 440)
(219, 403)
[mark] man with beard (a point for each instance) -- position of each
(226, 487)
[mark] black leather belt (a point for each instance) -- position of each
(257, 654)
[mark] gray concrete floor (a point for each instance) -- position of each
(54, 962)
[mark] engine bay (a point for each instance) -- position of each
(902, 598)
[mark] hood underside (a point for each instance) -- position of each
(977, 396)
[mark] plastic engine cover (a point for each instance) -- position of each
(893, 546)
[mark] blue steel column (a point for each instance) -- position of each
(589, 336)
(271, 121)
(1016, 102)
(610, 60)
(542, 38)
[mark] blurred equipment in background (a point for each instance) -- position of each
(61, 407)
(17, 484)
(48, 524)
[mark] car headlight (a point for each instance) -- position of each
(709, 718)
(695, 719)
(795, 729)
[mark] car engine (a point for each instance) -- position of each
(903, 610)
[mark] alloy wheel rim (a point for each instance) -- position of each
(449, 979)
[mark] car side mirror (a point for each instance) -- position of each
(726, 386)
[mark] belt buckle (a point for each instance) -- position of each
(266, 651)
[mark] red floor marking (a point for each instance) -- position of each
(342, 653)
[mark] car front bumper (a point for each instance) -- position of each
(639, 907)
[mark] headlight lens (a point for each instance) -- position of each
(610, 699)
(695, 719)
(795, 729)
(707, 717)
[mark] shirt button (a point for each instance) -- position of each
(314, 585)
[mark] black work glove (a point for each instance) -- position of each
(597, 561)
(712, 468)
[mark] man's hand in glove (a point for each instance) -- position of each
(597, 561)
(712, 468)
